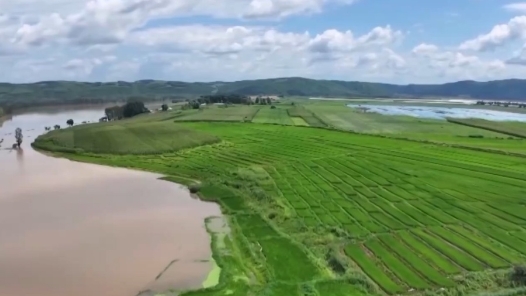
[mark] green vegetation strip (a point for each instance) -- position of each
(495, 248)
(401, 270)
(470, 248)
(429, 253)
(368, 266)
(516, 129)
(416, 262)
(456, 255)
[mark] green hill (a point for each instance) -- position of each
(60, 92)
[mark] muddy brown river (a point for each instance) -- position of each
(69, 228)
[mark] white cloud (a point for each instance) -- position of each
(424, 49)
(217, 39)
(519, 57)
(126, 40)
(498, 36)
(517, 7)
(110, 21)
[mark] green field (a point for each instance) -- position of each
(125, 137)
(440, 131)
(315, 211)
(306, 115)
(274, 116)
(215, 113)
(513, 128)
(299, 121)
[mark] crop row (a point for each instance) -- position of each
(416, 214)
(277, 116)
(421, 258)
(307, 115)
(383, 203)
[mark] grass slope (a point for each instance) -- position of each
(313, 211)
(124, 137)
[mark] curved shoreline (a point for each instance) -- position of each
(213, 277)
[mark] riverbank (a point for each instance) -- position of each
(120, 226)
(232, 270)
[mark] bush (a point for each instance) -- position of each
(518, 274)
(272, 107)
(194, 188)
(476, 136)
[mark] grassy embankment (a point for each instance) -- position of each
(319, 212)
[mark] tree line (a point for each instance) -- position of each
(130, 109)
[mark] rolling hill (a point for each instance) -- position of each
(50, 92)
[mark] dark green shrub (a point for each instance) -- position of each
(194, 188)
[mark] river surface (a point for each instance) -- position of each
(69, 228)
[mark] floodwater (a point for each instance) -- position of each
(69, 228)
(442, 112)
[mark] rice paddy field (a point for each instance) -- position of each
(124, 137)
(273, 116)
(405, 127)
(324, 212)
(513, 128)
(215, 113)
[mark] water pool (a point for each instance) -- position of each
(442, 112)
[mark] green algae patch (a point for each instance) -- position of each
(212, 279)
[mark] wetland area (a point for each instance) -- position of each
(71, 228)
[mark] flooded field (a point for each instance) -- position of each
(442, 112)
(79, 229)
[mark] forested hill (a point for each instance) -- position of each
(67, 91)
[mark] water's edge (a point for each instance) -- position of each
(214, 275)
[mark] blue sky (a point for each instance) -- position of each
(404, 41)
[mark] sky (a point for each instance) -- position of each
(391, 41)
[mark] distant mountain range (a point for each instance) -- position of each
(69, 91)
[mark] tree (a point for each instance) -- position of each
(133, 108)
(18, 136)
(518, 275)
(164, 107)
(70, 122)
(195, 105)
(113, 113)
